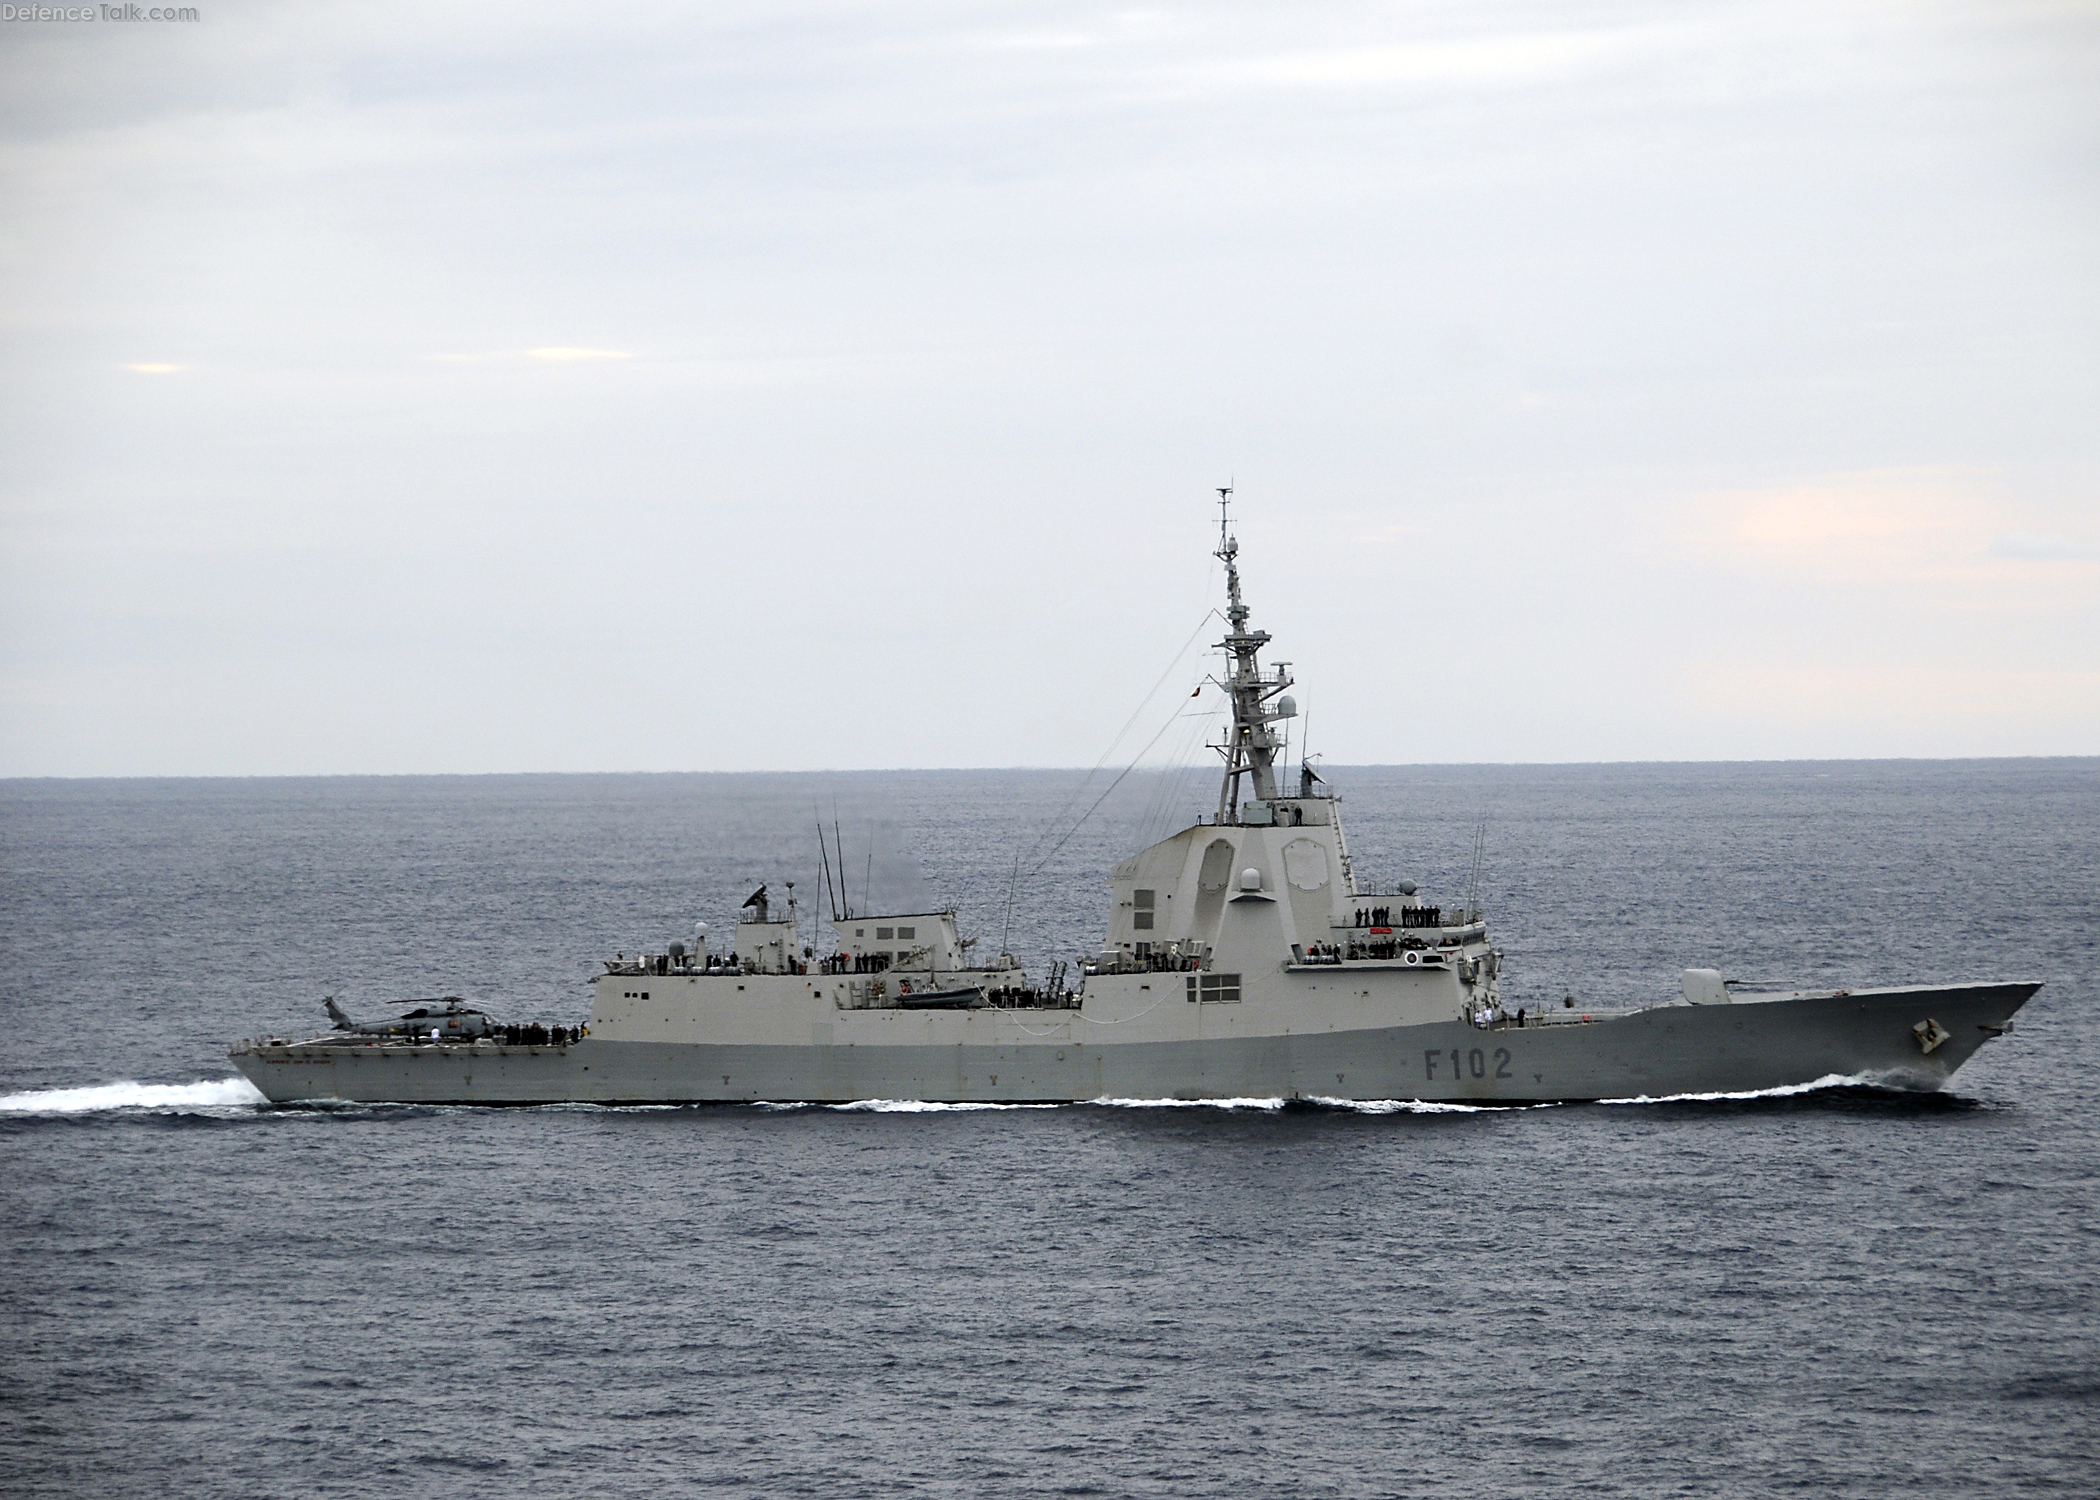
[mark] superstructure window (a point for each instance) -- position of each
(906, 934)
(1142, 907)
(885, 934)
(1215, 989)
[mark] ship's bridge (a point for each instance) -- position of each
(1274, 886)
(1288, 812)
(919, 941)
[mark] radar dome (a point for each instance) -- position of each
(1407, 887)
(1250, 879)
(1286, 707)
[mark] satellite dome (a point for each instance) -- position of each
(1250, 879)
(1286, 707)
(1407, 887)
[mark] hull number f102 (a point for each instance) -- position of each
(1463, 1065)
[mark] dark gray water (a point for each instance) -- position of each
(1843, 1293)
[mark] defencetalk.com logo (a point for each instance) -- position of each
(99, 13)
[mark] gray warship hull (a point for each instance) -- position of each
(1243, 959)
(1876, 1036)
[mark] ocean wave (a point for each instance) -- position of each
(1785, 1090)
(207, 1094)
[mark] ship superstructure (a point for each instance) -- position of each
(1241, 959)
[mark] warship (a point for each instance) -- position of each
(1242, 960)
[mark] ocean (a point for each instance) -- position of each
(1838, 1291)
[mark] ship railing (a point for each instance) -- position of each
(856, 963)
(1024, 998)
(1562, 1017)
(649, 964)
(1393, 909)
(1157, 963)
(1388, 952)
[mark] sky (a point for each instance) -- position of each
(401, 388)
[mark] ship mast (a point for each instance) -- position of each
(1249, 749)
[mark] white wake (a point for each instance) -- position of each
(1355, 1106)
(1260, 1104)
(918, 1108)
(216, 1094)
(1827, 1081)
(1422, 1107)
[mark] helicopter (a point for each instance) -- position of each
(451, 1017)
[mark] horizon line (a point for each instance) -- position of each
(1806, 760)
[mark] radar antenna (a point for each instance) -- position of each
(1250, 747)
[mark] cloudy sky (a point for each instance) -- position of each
(399, 388)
